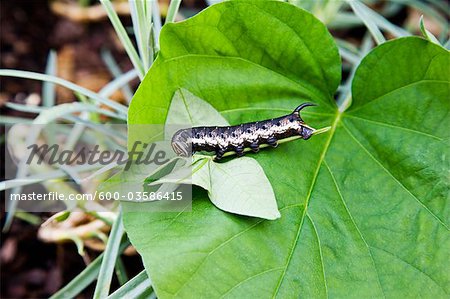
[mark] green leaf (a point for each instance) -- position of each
(112, 251)
(189, 111)
(238, 186)
(139, 286)
(85, 277)
(246, 54)
(364, 207)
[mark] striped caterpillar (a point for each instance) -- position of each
(236, 138)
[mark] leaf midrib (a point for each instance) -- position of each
(313, 183)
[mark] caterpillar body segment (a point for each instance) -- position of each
(236, 138)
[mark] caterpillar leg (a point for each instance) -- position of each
(254, 147)
(220, 153)
(272, 141)
(239, 150)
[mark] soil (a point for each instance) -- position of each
(29, 30)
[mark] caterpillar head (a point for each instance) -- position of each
(182, 142)
(306, 131)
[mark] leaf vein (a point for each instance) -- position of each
(217, 248)
(320, 253)
(398, 89)
(249, 278)
(354, 223)
(393, 177)
(412, 266)
(394, 126)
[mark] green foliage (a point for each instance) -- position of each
(188, 110)
(364, 208)
(137, 287)
(85, 277)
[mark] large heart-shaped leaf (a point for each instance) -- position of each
(365, 209)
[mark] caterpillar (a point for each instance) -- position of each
(236, 138)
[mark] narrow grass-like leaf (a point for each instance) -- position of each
(83, 107)
(349, 56)
(25, 108)
(10, 120)
(211, 2)
(48, 88)
(42, 77)
(76, 132)
(42, 177)
(115, 70)
(109, 260)
(28, 217)
(447, 44)
(139, 286)
(345, 97)
(442, 5)
(344, 20)
(157, 25)
(22, 172)
(172, 11)
(427, 34)
(85, 278)
(348, 46)
(142, 27)
(100, 128)
(101, 171)
(384, 24)
(118, 83)
(44, 117)
(430, 11)
(121, 272)
(368, 20)
(124, 38)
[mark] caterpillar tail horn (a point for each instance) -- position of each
(301, 107)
